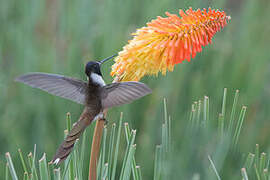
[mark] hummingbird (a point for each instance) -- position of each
(94, 94)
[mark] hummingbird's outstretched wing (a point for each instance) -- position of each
(116, 94)
(58, 85)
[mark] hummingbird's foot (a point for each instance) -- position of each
(104, 119)
(101, 117)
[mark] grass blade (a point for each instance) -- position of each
(25, 176)
(128, 135)
(127, 162)
(22, 160)
(213, 167)
(198, 115)
(221, 126)
(257, 153)
(66, 167)
(262, 162)
(224, 102)
(157, 166)
(257, 172)
(33, 168)
(43, 168)
(244, 174)
(110, 154)
(117, 147)
(71, 164)
(232, 118)
(7, 172)
(205, 111)
(57, 174)
(11, 167)
(103, 154)
(139, 172)
(239, 125)
(265, 174)
(249, 161)
(105, 173)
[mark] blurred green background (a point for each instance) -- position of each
(58, 36)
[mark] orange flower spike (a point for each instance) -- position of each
(167, 41)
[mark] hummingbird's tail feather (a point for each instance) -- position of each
(66, 147)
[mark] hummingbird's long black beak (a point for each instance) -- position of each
(108, 58)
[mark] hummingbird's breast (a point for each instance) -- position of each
(93, 98)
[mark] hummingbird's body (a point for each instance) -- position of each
(95, 95)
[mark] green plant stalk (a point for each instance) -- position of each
(30, 161)
(128, 164)
(78, 169)
(43, 168)
(221, 126)
(257, 154)
(206, 111)
(117, 147)
(239, 125)
(169, 134)
(166, 125)
(198, 123)
(110, 154)
(157, 166)
(99, 165)
(244, 174)
(191, 116)
(213, 167)
(34, 171)
(265, 174)
(257, 173)
(139, 172)
(103, 154)
(83, 149)
(6, 172)
(126, 167)
(262, 162)
(195, 112)
(249, 161)
(267, 164)
(66, 167)
(57, 174)
(11, 167)
(128, 135)
(224, 102)
(232, 118)
(105, 173)
(22, 160)
(25, 176)
(71, 164)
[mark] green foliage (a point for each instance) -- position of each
(164, 153)
(256, 166)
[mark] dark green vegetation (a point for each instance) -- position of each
(61, 36)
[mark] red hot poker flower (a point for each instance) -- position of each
(166, 42)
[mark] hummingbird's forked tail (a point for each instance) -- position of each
(66, 147)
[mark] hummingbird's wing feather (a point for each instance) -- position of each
(58, 85)
(116, 94)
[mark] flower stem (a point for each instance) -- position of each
(95, 149)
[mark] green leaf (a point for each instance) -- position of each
(117, 147)
(43, 168)
(11, 167)
(214, 167)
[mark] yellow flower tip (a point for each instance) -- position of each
(167, 41)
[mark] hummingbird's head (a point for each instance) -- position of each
(92, 67)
